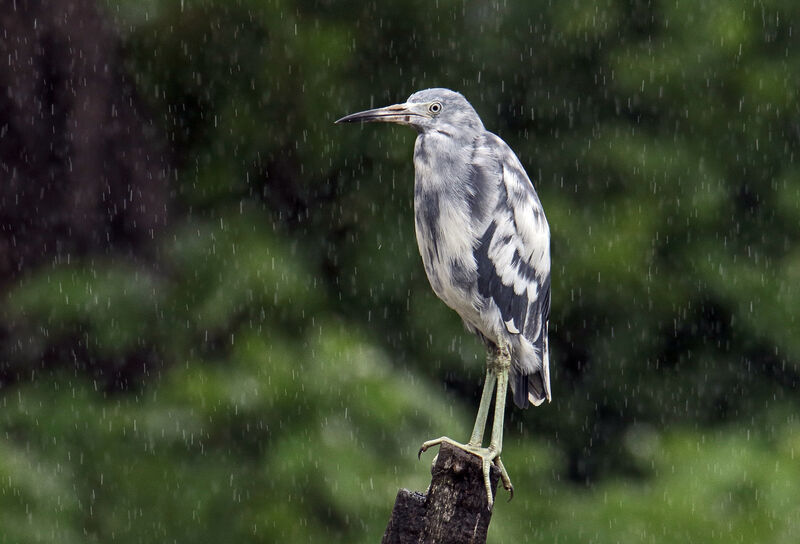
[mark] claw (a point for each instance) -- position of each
(428, 444)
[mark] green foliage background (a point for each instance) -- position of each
(292, 355)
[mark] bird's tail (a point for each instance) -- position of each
(530, 380)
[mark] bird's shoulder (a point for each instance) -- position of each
(491, 149)
(517, 215)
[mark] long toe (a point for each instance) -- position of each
(504, 478)
(487, 482)
(438, 441)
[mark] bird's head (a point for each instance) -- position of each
(431, 110)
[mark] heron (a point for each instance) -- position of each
(485, 246)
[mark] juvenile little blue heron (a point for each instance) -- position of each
(485, 245)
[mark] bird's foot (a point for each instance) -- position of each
(486, 455)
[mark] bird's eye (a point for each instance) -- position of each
(435, 107)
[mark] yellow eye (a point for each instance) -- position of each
(436, 107)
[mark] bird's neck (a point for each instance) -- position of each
(441, 158)
(445, 142)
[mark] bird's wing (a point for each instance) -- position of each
(513, 253)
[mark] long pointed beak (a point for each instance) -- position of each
(398, 113)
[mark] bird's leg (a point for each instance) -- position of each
(498, 364)
(483, 409)
(502, 364)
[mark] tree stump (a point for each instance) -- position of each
(455, 508)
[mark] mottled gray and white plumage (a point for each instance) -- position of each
(482, 235)
(482, 232)
(484, 238)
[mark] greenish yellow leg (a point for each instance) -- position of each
(498, 365)
(483, 409)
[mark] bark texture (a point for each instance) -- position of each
(454, 509)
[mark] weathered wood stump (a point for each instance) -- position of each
(455, 508)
